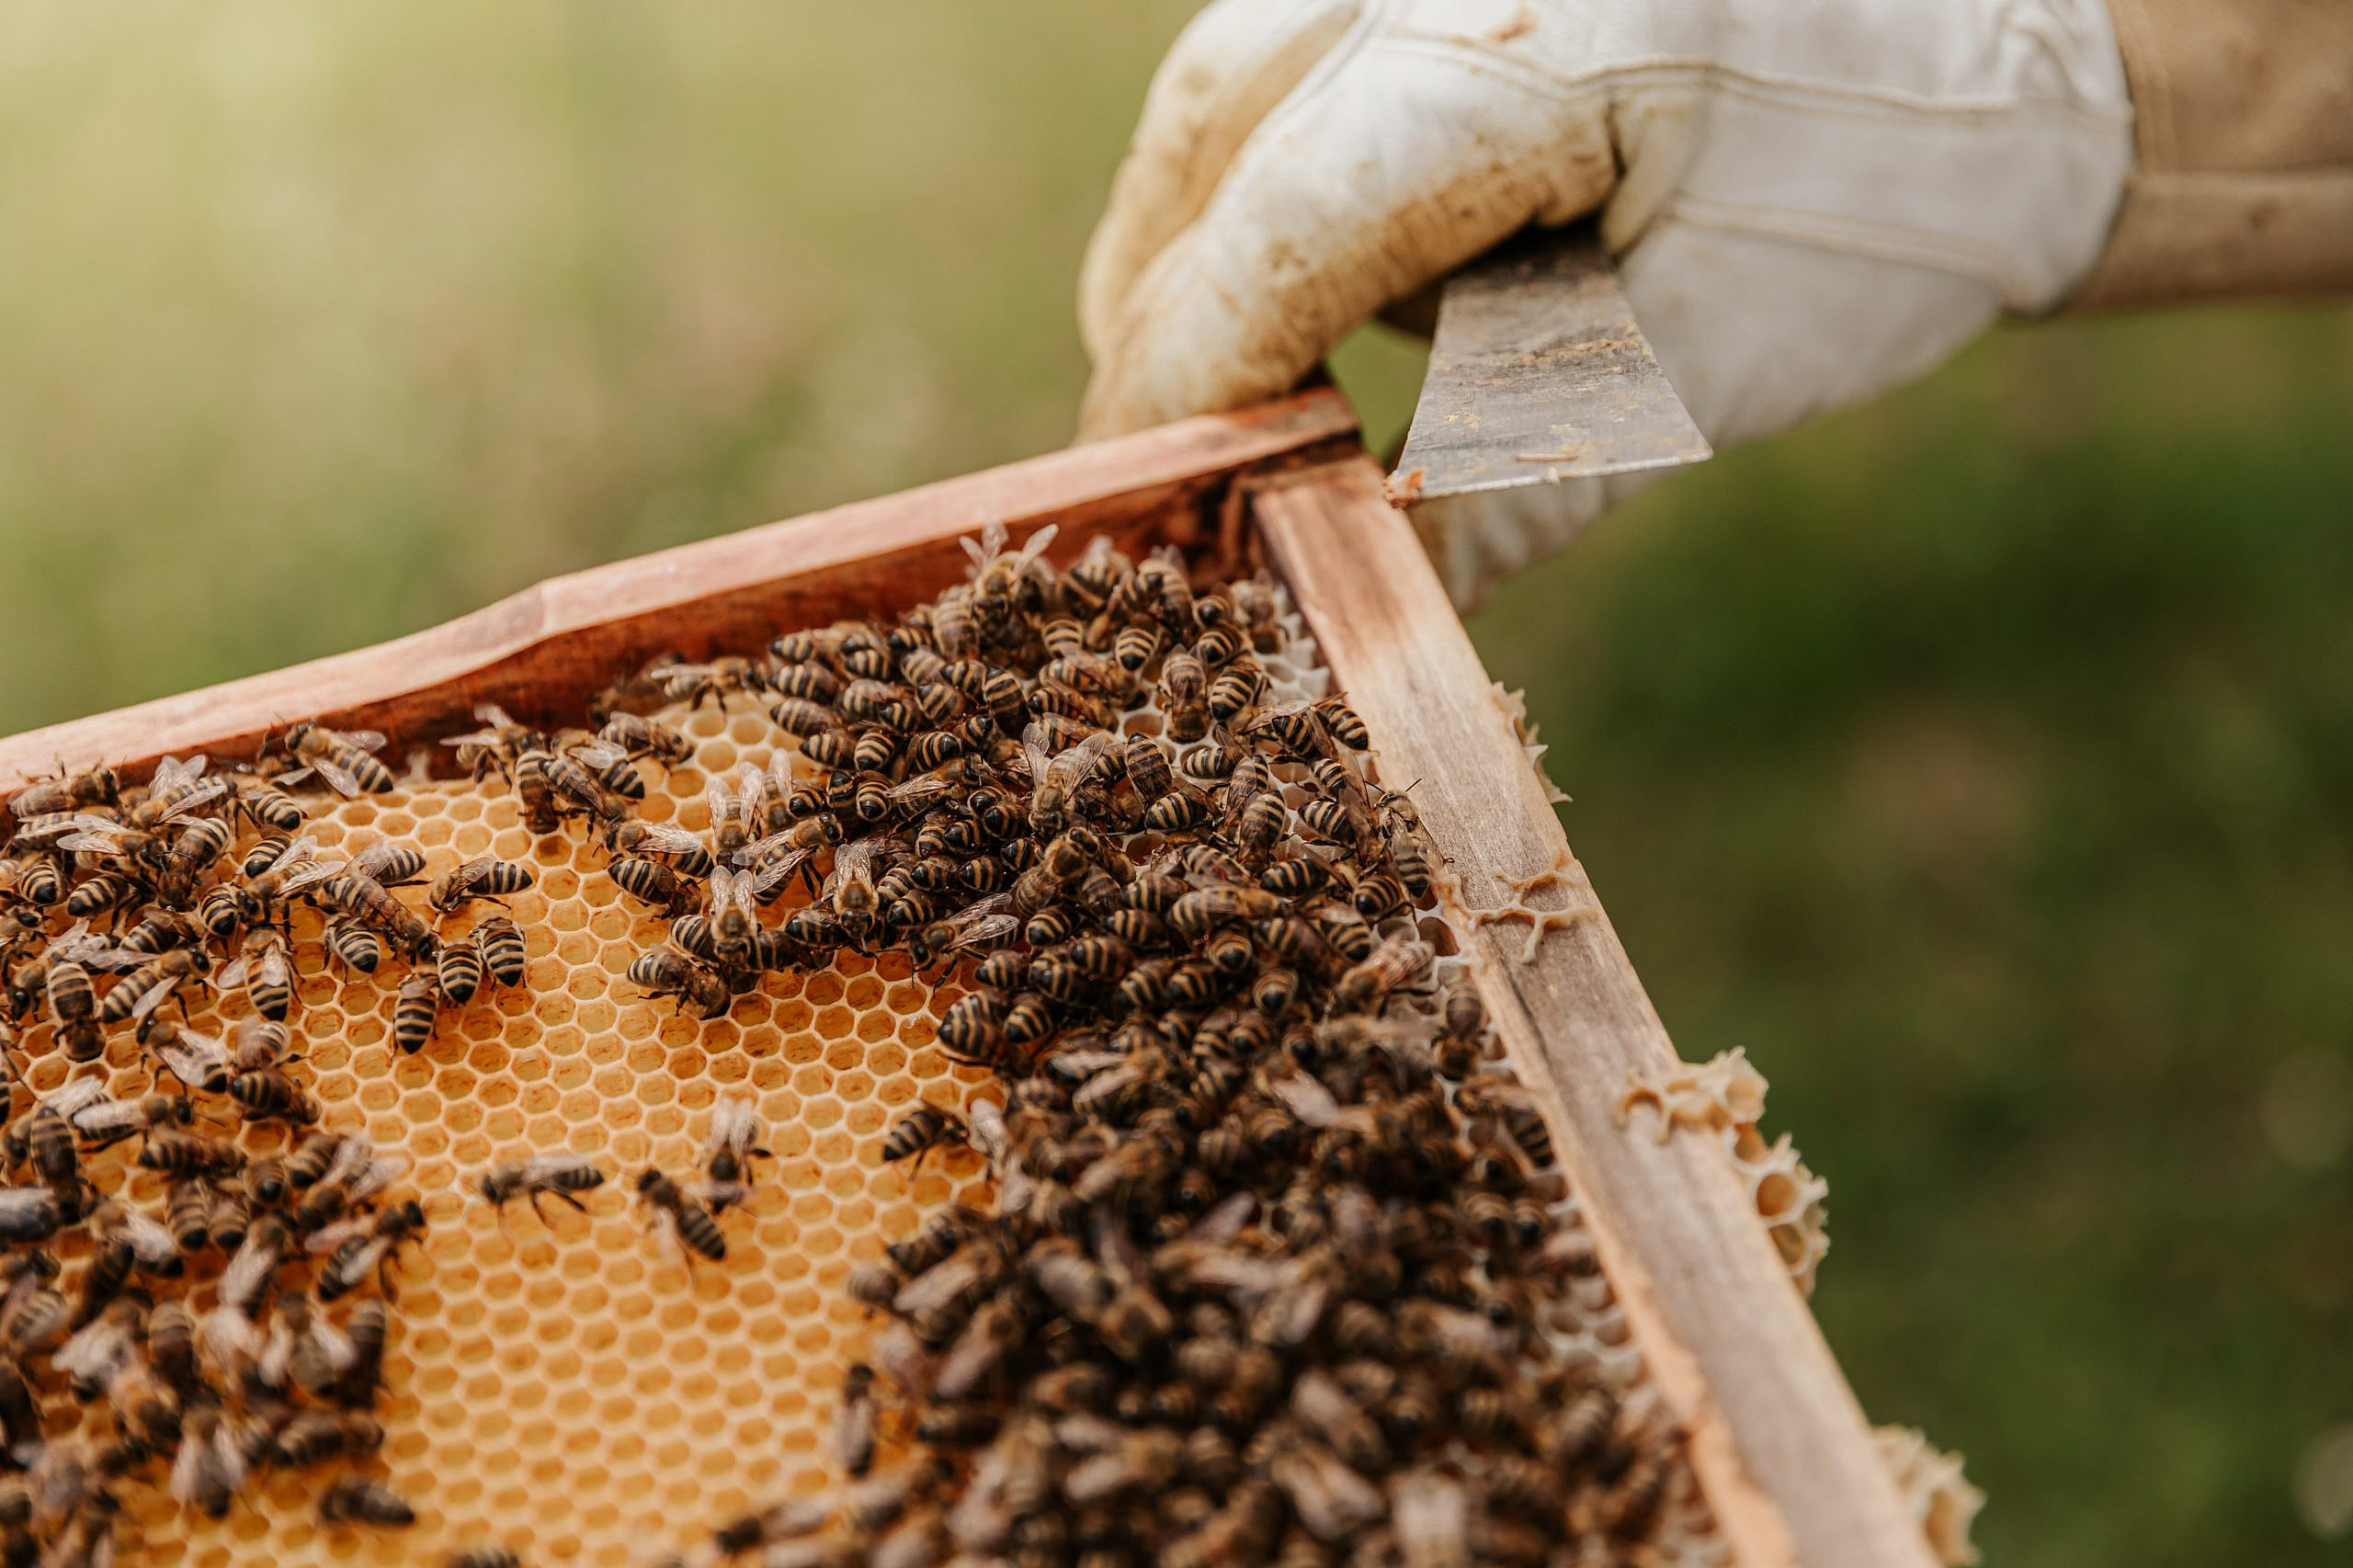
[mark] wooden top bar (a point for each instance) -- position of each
(541, 652)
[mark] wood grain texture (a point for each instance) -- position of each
(541, 653)
(1781, 1445)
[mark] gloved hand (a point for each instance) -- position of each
(1813, 200)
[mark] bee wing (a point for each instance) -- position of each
(103, 1116)
(596, 754)
(155, 1245)
(74, 1099)
(985, 548)
(717, 800)
(111, 839)
(366, 740)
(662, 838)
(1035, 547)
(322, 1241)
(197, 798)
(107, 958)
(1306, 1098)
(547, 1167)
(196, 1060)
(771, 874)
(230, 1338)
(154, 996)
(720, 1195)
(922, 786)
(312, 876)
(477, 738)
(235, 974)
(334, 1347)
(378, 1175)
(23, 1206)
(852, 860)
(1072, 767)
(171, 773)
(351, 1157)
(293, 852)
(339, 777)
(491, 714)
(1034, 749)
(733, 1123)
(94, 1350)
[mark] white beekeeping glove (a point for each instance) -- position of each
(1812, 200)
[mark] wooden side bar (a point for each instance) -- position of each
(542, 652)
(1780, 1446)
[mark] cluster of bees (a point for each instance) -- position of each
(114, 901)
(1274, 1237)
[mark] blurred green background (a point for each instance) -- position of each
(1980, 761)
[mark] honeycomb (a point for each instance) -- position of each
(1725, 1097)
(571, 1390)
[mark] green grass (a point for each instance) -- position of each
(1981, 762)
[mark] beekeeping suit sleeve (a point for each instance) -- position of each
(1812, 200)
(2243, 129)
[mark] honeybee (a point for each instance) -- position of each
(260, 800)
(609, 765)
(653, 881)
(1255, 814)
(1005, 581)
(354, 946)
(197, 1060)
(266, 1094)
(354, 894)
(1055, 778)
(146, 988)
(561, 1176)
(67, 792)
(735, 923)
(265, 968)
(1398, 961)
(340, 758)
(416, 1010)
(734, 813)
(1184, 692)
(208, 1468)
(687, 851)
(484, 878)
(685, 1218)
(458, 968)
(73, 1003)
(978, 924)
(496, 745)
(30, 1214)
(849, 887)
(353, 1501)
(159, 929)
(919, 1131)
(641, 736)
(854, 1421)
(178, 1152)
(733, 1140)
(666, 971)
(200, 842)
(504, 954)
(105, 1120)
(369, 1249)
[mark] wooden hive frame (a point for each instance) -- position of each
(1779, 1443)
